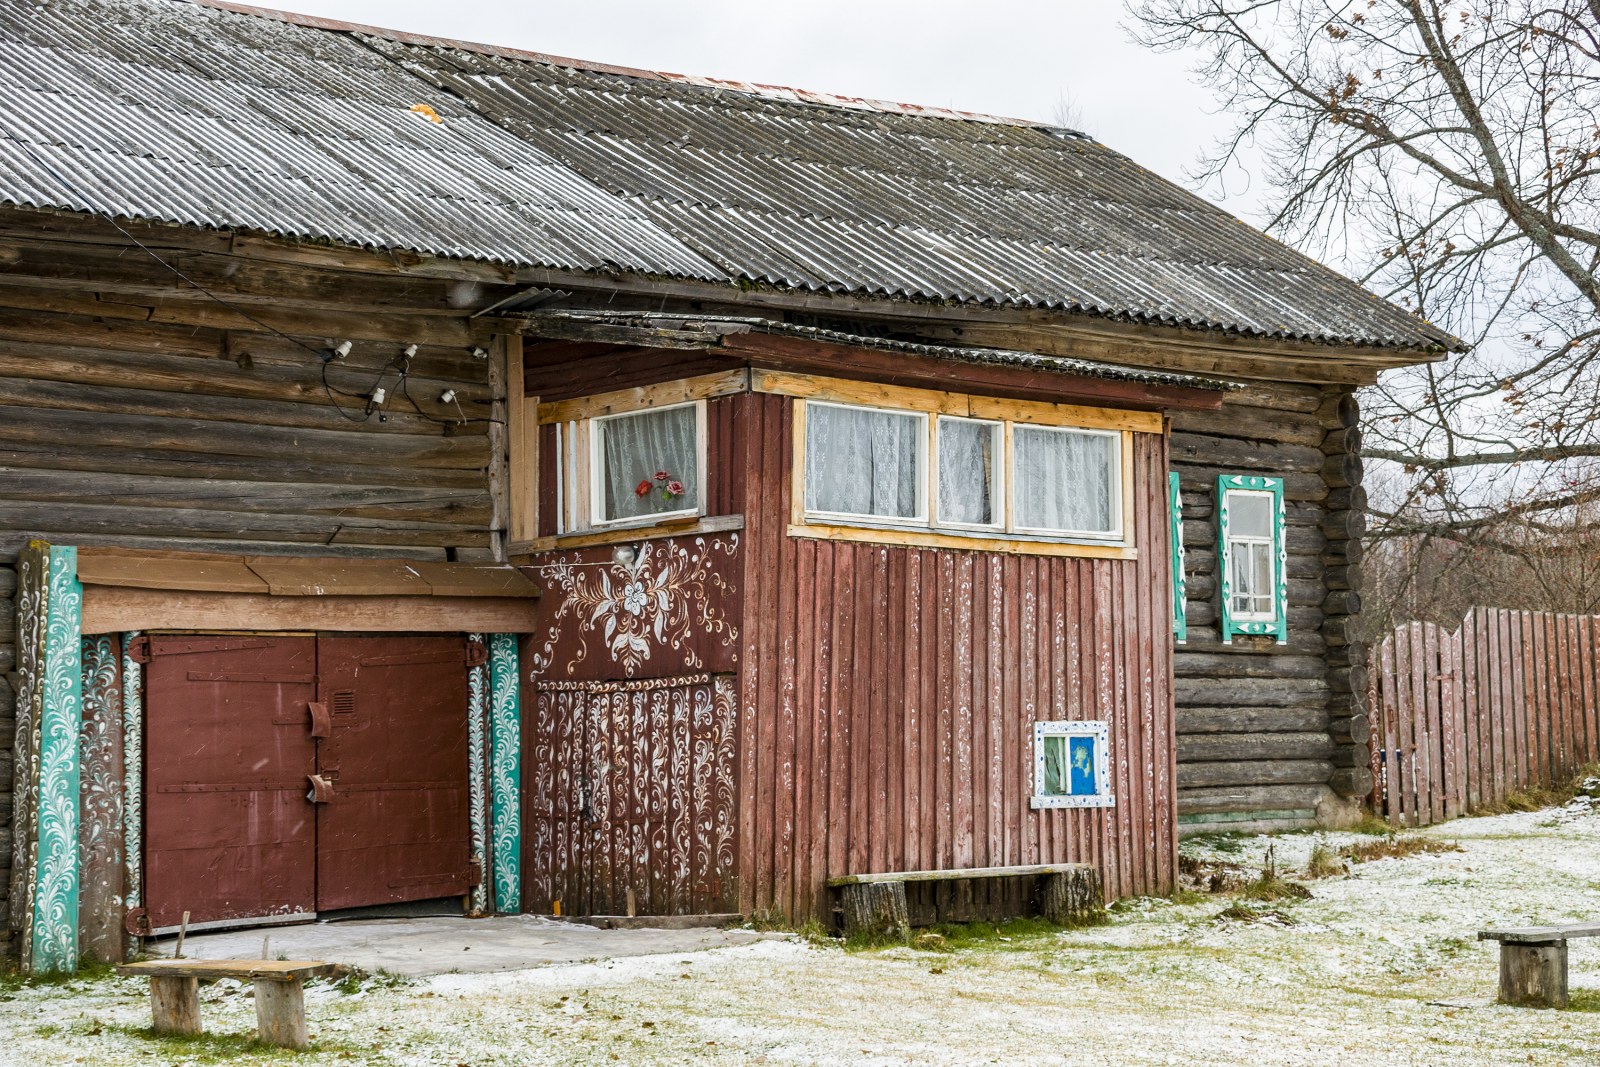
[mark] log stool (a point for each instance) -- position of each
(1533, 962)
(279, 988)
(876, 903)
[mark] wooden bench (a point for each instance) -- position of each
(1533, 962)
(876, 903)
(279, 988)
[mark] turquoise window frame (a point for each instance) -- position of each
(1278, 625)
(1180, 579)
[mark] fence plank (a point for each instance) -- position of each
(1508, 701)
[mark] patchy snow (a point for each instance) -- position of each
(1380, 967)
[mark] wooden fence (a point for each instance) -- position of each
(1461, 720)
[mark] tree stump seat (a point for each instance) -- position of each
(1533, 962)
(875, 904)
(279, 991)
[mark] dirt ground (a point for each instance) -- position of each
(1378, 967)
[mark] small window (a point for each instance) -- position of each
(1068, 481)
(866, 463)
(971, 457)
(1070, 768)
(1250, 533)
(645, 465)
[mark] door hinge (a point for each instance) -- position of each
(321, 791)
(139, 649)
(477, 653)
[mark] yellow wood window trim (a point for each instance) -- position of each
(1003, 541)
(846, 391)
(522, 444)
(666, 394)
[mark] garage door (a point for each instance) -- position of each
(303, 774)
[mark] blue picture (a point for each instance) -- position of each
(1081, 763)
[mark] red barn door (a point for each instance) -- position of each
(229, 832)
(240, 729)
(396, 824)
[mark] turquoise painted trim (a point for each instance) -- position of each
(54, 937)
(1278, 625)
(1180, 579)
(505, 771)
(477, 694)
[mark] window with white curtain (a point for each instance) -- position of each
(646, 465)
(971, 454)
(866, 462)
(1067, 481)
(1251, 548)
(876, 466)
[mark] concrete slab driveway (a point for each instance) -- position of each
(449, 944)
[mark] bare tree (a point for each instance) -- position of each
(1447, 155)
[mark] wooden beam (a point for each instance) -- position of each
(522, 435)
(953, 403)
(701, 387)
(108, 609)
(921, 371)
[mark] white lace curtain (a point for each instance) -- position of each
(1065, 480)
(635, 449)
(968, 452)
(863, 462)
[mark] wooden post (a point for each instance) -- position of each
(1071, 897)
(281, 1012)
(175, 1005)
(1533, 974)
(876, 908)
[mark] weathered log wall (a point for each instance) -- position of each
(888, 696)
(1270, 735)
(136, 411)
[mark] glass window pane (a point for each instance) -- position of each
(863, 462)
(1056, 782)
(1066, 480)
(1250, 515)
(649, 463)
(1251, 574)
(967, 451)
(1082, 766)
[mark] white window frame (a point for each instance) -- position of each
(1006, 480)
(1269, 542)
(594, 494)
(924, 465)
(1100, 734)
(1115, 534)
(999, 505)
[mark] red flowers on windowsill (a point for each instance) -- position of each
(669, 487)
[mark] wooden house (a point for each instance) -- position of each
(434, 471)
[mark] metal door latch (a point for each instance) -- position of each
(321, 723)
(321, 789)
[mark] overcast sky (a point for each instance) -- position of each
(1002, 57)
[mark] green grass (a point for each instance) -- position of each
(1395, 846)
(1585, 1000)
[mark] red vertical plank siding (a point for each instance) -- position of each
(890, 696)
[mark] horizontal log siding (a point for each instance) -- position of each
(888, 696)
(1263, 728)
(126, 431)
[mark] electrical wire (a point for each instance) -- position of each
(324, 357)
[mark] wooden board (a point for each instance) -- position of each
(1016, 871)
(269, 970)
(111, 610)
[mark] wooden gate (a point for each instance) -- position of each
(1461, 720)
(290, 775)
(230, 834)
(630, 794)
(395, 826)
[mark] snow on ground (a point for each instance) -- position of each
(1380, 967)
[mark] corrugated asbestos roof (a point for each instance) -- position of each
(167, 110)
